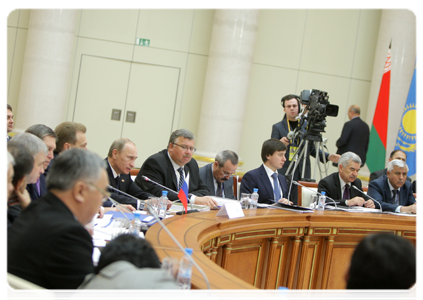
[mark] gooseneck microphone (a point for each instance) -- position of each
(316, 192)
(380, 206)
(153, 213)
(156, 183)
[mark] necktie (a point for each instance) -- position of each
(181, 178)
(394, 196)
(219, 189)
(38, 187)
(117, 179)
(276, 190)
(346, 195)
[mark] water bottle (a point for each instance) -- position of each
(322, 201)
(254, 199)
(137, 223)
(162, 205)
(282, 293)
(185, 270)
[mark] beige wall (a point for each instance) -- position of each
(329, 50)
(17, 28)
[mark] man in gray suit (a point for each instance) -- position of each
(129, 262)
(216, 175)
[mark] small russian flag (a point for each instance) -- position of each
(183, 195)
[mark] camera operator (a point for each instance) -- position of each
(291, 105)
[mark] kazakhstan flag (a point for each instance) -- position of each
(406, 140)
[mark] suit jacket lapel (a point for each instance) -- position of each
(171, 171)
(209, 178)
(337, 185)
(266, 182)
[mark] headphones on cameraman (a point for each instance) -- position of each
(289, 97)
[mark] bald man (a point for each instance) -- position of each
(355, 135)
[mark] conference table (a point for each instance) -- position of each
(271, 248)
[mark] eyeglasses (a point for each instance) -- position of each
(185, 148)
(105, 194)
(226, 173)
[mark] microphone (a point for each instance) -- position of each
(118, 207)
(156, 183)
(126, 194)
(380, 206)
(153, 213)
(297, 183)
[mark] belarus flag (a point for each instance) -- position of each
(379, 131)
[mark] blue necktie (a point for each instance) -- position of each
(276, 190)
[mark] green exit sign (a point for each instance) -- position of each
(142, 42)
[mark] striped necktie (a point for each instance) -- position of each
(181, 178)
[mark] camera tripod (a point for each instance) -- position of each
(303, 155)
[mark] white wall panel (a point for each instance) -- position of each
(102, 86)
(166, 28)
(118, 25)
(152, 95)
(329, 41)
(280, 37)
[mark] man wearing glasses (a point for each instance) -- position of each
(172, 166)
(48, 244)
(216, 175)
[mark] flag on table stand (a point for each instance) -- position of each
(406, 140)
(183, 193)
(379, 131)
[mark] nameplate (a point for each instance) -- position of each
(231, 210)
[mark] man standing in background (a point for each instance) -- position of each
(10, 121)
(355, 135)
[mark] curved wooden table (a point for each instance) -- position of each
(269, 248)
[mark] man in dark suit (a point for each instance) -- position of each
(10, 121)
(291, 105)
(392, 190)
(172, 166)
(39, 151)
(383, 266)
(48, 244)
(396, 154)
(49, 137)
(355, 135)
(272, 186)
(338, 185)
(120, 160)
(216, 175)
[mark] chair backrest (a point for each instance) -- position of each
(134, 172)
(304, 194)
(18, 289)
(236, 185)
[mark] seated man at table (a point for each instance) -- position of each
(48, 244)
(396, 154)
(216, 175)
(393, 191)
(128, 262)
(339, 185)
(120, 161)
(272, 186)
(382, 261)
(172, 167)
